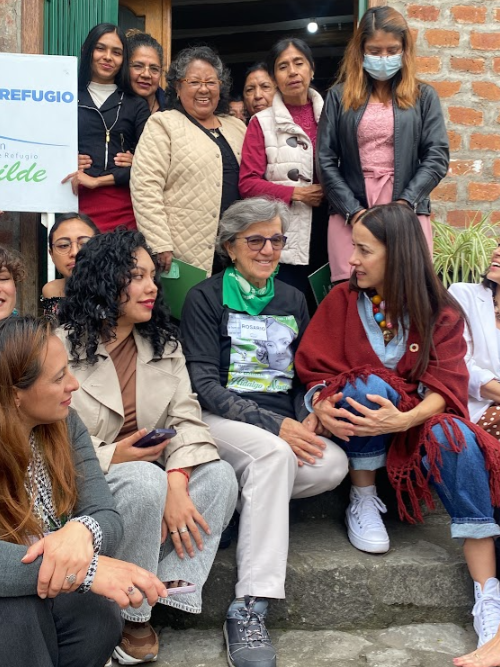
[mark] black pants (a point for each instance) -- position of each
(71, 630)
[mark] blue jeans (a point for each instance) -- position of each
(465, 497)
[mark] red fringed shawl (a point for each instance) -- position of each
(336, 350)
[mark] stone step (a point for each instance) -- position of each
(425, 645)
(331, 585)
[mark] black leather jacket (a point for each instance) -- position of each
(421, 152)
(125, 116)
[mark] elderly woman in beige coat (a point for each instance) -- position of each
(133, 379)
(186, 166)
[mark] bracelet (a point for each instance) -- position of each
(89, 577)
(91, 524)
(181, 470)
(184, 473)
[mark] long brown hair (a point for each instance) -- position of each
(354, 77)
(23, 346)
(411, 286)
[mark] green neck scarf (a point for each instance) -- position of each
(238, 294)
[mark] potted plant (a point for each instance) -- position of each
(462, 255)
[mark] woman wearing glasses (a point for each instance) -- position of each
(68, 234)
(146, 63)
(240, 330)
(278, 160)
(110, 121)
(186, 167)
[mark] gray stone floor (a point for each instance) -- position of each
(417, 645)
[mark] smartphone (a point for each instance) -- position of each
(156, 436)
(188, 588)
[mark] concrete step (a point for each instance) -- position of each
(331, 585)
(425, 645)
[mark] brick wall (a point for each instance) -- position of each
(458, 49)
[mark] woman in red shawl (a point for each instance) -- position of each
(383, 359)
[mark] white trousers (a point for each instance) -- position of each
(269, 475)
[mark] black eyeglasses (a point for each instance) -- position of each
(257, 242)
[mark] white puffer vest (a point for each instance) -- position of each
(278, 126)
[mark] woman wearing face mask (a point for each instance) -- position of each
(381, 136)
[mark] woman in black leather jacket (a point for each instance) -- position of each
(110, 121)
(381, 136)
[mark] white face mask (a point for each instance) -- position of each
(383, 68)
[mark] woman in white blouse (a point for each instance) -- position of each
(483, 345)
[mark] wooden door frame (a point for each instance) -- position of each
(158, 15)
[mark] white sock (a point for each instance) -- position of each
(365, 490)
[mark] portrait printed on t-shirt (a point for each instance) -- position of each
(261, 352)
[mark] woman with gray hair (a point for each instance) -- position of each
(253, 404)
(186, 166)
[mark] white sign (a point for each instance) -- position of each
(38, 132)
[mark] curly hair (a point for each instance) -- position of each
(95, 295)
(178, 68)
(14, 263)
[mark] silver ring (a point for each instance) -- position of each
(71, 578)
(131, 590)
(184, 529)
(174, 532)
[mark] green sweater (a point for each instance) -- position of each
(94, 499)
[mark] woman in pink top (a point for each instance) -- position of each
(278, 161)
(381, 136)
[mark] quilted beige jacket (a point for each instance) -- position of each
(176, 185)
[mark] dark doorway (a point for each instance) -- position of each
(243, 32)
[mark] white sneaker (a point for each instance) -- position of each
(365, 528)
(486, 611)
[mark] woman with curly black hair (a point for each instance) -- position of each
(133, 379)
(186, 166)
